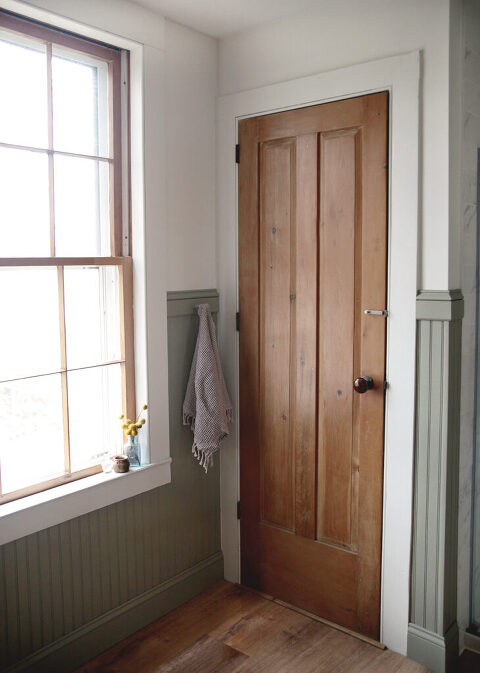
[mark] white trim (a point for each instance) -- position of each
(400, 76)
(470, 642)
(117, 22)
(147, 119)
(125, 121)
(49, 508)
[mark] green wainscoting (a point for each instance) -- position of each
(72, 590)
(433, 630)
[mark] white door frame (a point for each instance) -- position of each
(400, 75)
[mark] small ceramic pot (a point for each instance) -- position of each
(121, 464)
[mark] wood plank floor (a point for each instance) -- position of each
(228, 629)
(469, 662)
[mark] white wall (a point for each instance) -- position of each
(191, 72)
(341, 33)
(467, 216)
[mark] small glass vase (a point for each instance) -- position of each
(132, 450)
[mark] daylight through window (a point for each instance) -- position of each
(66, 343)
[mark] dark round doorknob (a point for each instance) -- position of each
(362, 384)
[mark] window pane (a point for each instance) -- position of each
(82, 217)
(32, 447)
(30, 334)
(92, 315)
(24, 205)
(95, 402)
(23, 82)
(80, 103)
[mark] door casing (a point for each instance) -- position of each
(400, 76)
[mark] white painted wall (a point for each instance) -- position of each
(467, 216)
(191, 83)
(341, 33)
(173, 82)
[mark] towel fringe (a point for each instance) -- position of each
(204, 456)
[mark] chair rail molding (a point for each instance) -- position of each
(433, 629)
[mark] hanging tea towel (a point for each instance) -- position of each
(207, 407)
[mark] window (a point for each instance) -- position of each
(66, 341)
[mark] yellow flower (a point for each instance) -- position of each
(145, 406)
(124, 426)
(128, 421)
(134, 432)
(120, 418)
(129, 432)
(142, 421)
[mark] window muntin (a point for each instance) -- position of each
(68, 291)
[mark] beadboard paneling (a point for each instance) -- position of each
(433, 631)
(60, 579)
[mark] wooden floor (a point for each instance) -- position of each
(228, 629)
(469, 662)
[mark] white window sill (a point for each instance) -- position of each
(49, 508)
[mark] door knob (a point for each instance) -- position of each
(362, 384)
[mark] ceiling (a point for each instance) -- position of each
(223, 17)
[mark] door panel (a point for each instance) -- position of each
(312, 258)
(305, 306)
(277, 265)
(336, 333)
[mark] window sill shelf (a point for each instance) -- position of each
(49, 508)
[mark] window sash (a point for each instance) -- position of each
(51, 36)
(126, 360)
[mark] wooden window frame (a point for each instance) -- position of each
(50, 36)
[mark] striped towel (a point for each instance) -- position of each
(207, 407)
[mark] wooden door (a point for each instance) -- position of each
(312, 259)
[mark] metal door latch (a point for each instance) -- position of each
(371, 311)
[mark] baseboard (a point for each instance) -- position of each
(438, 653)
(77, 647)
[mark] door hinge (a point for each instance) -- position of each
(239, 510)
(237, 154)
(237, 321)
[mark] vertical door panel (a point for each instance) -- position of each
(305, 364)
(277, 269)
(336, 336)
